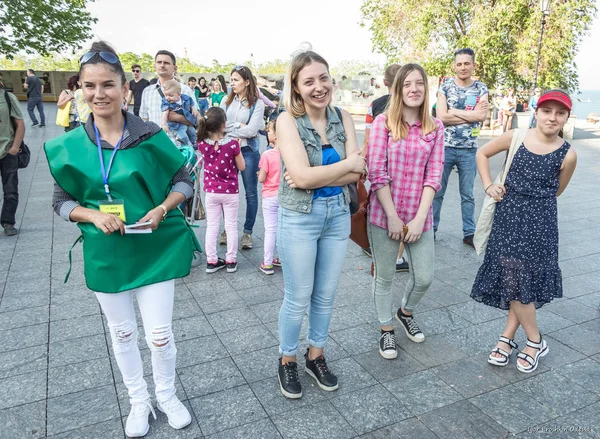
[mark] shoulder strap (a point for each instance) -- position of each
(9, 104)
(517, 139)
(251, 113)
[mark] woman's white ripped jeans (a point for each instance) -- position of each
(156, 306)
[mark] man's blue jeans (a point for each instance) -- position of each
(312, 248)
(464, 160)
(33, 103)
(250, 180)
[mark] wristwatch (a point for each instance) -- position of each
(164, 208)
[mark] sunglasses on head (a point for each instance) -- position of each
(109, 57)
(238, 68)
(136, 71)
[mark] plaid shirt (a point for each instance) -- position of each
(407, 166)
(150, 108)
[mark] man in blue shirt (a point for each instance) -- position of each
(462, 105)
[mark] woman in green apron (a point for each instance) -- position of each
(114, 172)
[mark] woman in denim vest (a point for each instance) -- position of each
(320, 158)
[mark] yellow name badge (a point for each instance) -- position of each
(475, 132)
(114, 207)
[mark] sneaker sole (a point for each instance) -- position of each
(231, 270)
(138, 435)
(246, 247)
(402, 270)
(408, 334)
(175, 427)
(388, 356)
(321, 385)
(286, 393)
(214, 270)
(268, 272)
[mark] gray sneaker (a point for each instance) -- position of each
(223, 238)
(246, 241)
(9, 230)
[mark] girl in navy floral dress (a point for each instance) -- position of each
(520, 271)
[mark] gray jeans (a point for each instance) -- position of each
(420, 257)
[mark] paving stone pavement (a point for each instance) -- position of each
(58, 377)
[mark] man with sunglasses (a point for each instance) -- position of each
(166, 66)
(136, 88)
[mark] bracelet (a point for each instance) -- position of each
(164, 208)
(486, 189)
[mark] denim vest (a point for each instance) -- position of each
(300, 200)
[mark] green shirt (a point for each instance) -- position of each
(6, 130)
(216, 98)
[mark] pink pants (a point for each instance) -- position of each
(270, 207)
(214, 205)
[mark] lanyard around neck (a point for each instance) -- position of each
(106, 171)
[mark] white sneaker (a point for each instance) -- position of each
(178, 415)
(137, 421)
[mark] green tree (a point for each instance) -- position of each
(503, 33)
(43, 26)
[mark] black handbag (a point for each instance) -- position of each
(24, 154)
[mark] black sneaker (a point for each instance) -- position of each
(402, 267)
(410, 327)
(42, 125)
(318, 369)
(212, 268)
(387, 345)
(231, 267)
(469, 241)
(35, 124)
(367, 251)
(289, 384)
(9, 229)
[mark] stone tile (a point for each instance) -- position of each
(592, 325)
(81, 409)
(221, 301)
(24, 337)
(510, 373)
(75, 350)
(22, 389)
(24, 421)
(474, 423)
(439, 321)
(185, 308)
(428, 352)
(191, 327)
(358, 339)
(468, 377)
(345, 317)
(206, 378)
(263, 429)
(446, 295)
(199, 350)
(591, 300)
(552, 390)
(577, 337)
(112, 429)
(16, 300)
(512, 408)
(351, 376)
(257, 365)
(21, 361)
(249, 339)
(230, 320)
(586, 373)
(388, 370)
(476, 312)
(559, 354)
(456, 278)
(75, 309)
(269, 394)
(318, 420)
(573, 310)
(74, 328)
(254, 280)
(410, 428)
(260, 294)
(433, 392)
(227, 409)
(370, 409)
(268, 311)
(24, 317)
(476, 339)
(79, 376)
(575, 286)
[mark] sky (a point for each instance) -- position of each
(260, 30)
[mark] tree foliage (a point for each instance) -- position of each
(43, 26)
(503, 33)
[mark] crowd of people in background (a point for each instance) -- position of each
(306, 173)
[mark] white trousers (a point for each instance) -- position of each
(156, 306)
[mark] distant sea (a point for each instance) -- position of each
(586, 102)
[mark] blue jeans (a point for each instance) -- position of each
(312, 248)
(36, 103)
(185, 133)
(203, 105)
(250, 180)
(464, 160)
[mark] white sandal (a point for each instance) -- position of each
(542, 348)
(505, 355)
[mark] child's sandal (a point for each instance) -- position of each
(505, 355)
(542, 348)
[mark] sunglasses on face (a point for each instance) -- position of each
(109, 57)
(136, 71)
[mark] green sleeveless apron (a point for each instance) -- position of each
(141, 176)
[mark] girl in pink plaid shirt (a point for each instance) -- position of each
(405, 159)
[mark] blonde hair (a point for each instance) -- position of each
(292, 101)
(172, 85)
(395, 122)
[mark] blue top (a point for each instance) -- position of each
(330, 156)
(184, 108)
(533, 102)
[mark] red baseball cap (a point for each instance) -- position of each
(556, 96)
